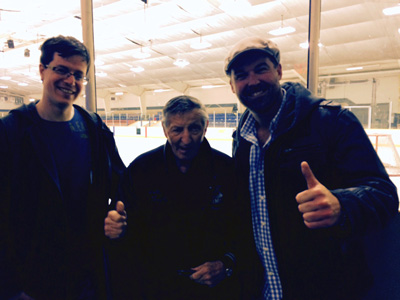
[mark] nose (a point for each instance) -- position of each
(69, 78)
(186, 138)
(253, 78)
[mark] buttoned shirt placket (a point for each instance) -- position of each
(259, 207)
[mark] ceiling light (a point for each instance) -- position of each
(282, 30)
(235, 6)
(5, 78)
(181, 63)
(22, 84)
(390, 11)
(305, 45)
(137, 69)
(3, 87)
(32, 99)
(119, 93)
(197, 8)
(141, 54)
(101, 74)
(161, 90)
(354, 68)
(200, 44)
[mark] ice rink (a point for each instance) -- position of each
(133, 141)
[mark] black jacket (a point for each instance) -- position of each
(324, 263)
(35, 243)
(179, 221)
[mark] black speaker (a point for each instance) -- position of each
(10, 44)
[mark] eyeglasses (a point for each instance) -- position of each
(64, 71)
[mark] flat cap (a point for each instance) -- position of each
(248, 45)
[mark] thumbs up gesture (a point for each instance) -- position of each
(320, 208)
(115, 222)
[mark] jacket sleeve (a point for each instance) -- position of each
(8, 275)
(116, 166)
(367, 196)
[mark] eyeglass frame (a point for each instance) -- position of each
(67, 74)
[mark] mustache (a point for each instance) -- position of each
(251, 89)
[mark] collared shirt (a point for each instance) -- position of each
(259, 206)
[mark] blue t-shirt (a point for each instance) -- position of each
(69, 144)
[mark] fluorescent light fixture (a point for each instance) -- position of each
(305, 45)
(181, 63)
(354, 68)
(137, 69)
(282, 30)
(5, 77)
(101, 74)
(141, 54)
(200, 45)
(3, 87)
(119, 93)
(235, 6)
(398, 30)
(390, 11)
(31, 99)
(210, 86)
(198, 7)
(22, 84)
(161, 90)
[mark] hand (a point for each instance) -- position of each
(209, 273)
(320, 208)
(115, 223)
(22, 296)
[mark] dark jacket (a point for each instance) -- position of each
(35, 242)
(324, 263)
(179, 221)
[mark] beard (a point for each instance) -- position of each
(261, 98)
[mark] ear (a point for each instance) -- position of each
(165, 130)
(205, 128)
(41, 70)
(279, 70)
(232, 86)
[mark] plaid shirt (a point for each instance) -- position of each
(259, 207)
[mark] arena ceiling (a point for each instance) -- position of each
(354, 34)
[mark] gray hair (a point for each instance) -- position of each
(181, 105)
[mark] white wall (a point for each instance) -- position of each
(387, 90)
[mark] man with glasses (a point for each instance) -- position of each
(59, 168)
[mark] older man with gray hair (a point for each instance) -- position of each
(181, 208)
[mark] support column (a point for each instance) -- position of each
(313, 48)
(88, 40)
(143, 104)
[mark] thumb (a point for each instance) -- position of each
(120, 207)
(308, 175)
